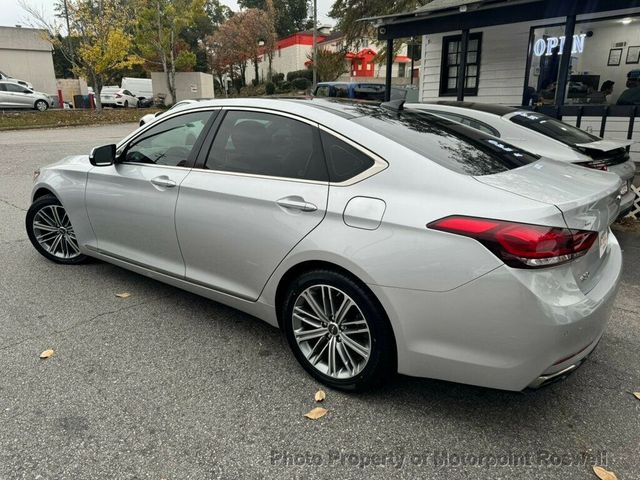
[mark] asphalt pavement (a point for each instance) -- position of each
(168, 385)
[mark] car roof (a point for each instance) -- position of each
(491, 108)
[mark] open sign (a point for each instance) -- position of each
(546, 46)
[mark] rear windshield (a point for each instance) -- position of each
(553, 128)
(450, 144)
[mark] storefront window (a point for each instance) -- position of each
(605, 54)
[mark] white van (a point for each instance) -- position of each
(140, 87)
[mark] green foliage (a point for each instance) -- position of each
(300, 83)
(284, 87)
(330, 65)
(270, 88)
(308, 74)
(349, 12)
(277, 78)
(290, 15)
(185, 61)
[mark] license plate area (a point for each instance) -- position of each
(603, 241)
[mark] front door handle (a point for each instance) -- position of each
(295, 202)
(163, 181)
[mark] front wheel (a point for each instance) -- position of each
(338, 331)
(41, 105)
(51, 232)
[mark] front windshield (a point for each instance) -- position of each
(553, 128)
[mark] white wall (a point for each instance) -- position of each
(189, 85)
(25, 54)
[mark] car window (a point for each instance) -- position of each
(470, 122)
(369, 91)
(553, 128)
(343, 161)
(127, 92)
(3, 87)
(12, 87)
(450, 144)
(267, 144)
(322, 91)
(341, 91)
(169, 142)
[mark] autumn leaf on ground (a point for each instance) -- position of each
(316, 413)
(320, 395)
(637, 395)
(123, 295)
(604, 474)
(47, 354)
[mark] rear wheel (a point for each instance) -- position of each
(51, 232)
(41, 105)
(126, 103)
(338, 331)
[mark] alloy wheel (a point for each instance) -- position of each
(53, 231)
(331, 331)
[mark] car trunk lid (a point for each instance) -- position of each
(588, 199)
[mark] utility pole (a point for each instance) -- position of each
(315, 43)
(69, 42)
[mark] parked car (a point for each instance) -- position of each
(545, 136)
(117, 97)
(14, 95)
(380, 239)
(4, 76)
(151, 116)
(357, 91)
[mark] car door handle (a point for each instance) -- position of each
(297, 203)
(163, 181)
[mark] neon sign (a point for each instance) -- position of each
(546, 46)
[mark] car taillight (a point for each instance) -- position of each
(595, 164)
(521, 245)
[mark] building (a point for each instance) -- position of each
(293, 53)
(26, 54)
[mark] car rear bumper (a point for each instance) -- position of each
(505, 329)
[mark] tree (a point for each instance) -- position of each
(330, 64)
(349, 12)
(290, 15)
(160, 24)
(98, 43)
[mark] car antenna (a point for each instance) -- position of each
(395, 105)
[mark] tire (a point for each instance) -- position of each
(43, 217)
(126, 104)
(41, 105)
(363, 323)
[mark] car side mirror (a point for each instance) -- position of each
(103, 156)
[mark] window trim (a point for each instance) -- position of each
(444, 91)
(379, 164)
(124, 145)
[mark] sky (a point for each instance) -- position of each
(11, 13)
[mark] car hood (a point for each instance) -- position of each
(70, 161)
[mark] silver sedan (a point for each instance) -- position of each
(380, 239)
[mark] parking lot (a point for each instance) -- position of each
(168, 385)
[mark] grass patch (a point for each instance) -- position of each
(16, 120)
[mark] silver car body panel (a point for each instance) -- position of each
(19, 99)
(457, 311)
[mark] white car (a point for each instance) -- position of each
(544, 136)
(9, 78)
(152, 116)
(117, 97)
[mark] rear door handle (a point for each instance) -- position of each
(295, 202)
(163, 181)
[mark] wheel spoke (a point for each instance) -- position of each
(46, 237)
(331, 357)
(56, 217)
(306, 335)
(44, 227)
(314, 305)
(346, 305)
(73, 245)
(348, 362)
(46, 218)
(305, 316)
(355, 346)
(318, 355)
(54, 244)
